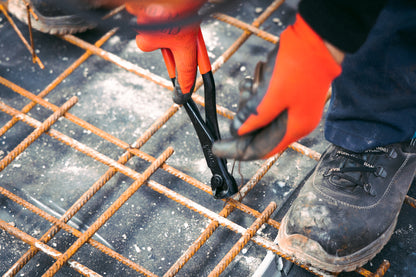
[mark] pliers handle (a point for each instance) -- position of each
(223, 183)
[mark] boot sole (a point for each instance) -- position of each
(297, 246)
(59, 25)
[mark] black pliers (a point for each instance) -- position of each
(223, 183)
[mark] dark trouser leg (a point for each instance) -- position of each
(374, 99)
(348, 208)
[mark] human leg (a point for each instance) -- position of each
(374, 100)
(348, 209)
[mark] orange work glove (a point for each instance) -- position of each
(285, 101)
(180, 41)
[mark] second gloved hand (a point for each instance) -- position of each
(285, 100)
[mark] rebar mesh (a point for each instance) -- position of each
(130, 162)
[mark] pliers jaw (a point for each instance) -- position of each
(223, 187)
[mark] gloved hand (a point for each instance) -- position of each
(179, 41)
(286, 98)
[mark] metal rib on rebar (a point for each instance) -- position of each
(109, 162)
(73, 143)
(410, 201)
(37, 132)
(384, 266)
(251, 231)
(61, 224)
(58, 80)
(22, 38)
(109, 212)
(91, 192)
(180, 199)
(46, 249)
(95, 155)
(226, 211)
(265, 243)
(244, 26)
(139, 71)
(130, 148)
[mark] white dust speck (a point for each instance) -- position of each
(114, 40)
(258, 10)
(281, 184)
(137, 248)
(277, 21)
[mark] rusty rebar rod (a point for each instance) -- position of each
(251, 231)
(251, 212)
(410, 201)
(234, 47)
(385, 265)
(98, 156)
(265, 243)
(114, 12)
(246, 27)
(29, 24)
(61, 224)
(74, 143)
(52, 131)
(133, 149)
(225, 212)
(37, 132)
(44, 248)
(232, 226)
(82, 123)
(129, 66)
(306, 151)
(57, 81)
(109, 212)
(96, 187)
(22, 38)
(246, 35)
(144, 73)
(382, 269)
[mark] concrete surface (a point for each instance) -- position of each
(149, 229)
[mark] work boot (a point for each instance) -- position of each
(51, 18)
(348, 208)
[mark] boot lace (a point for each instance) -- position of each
(359, 163)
